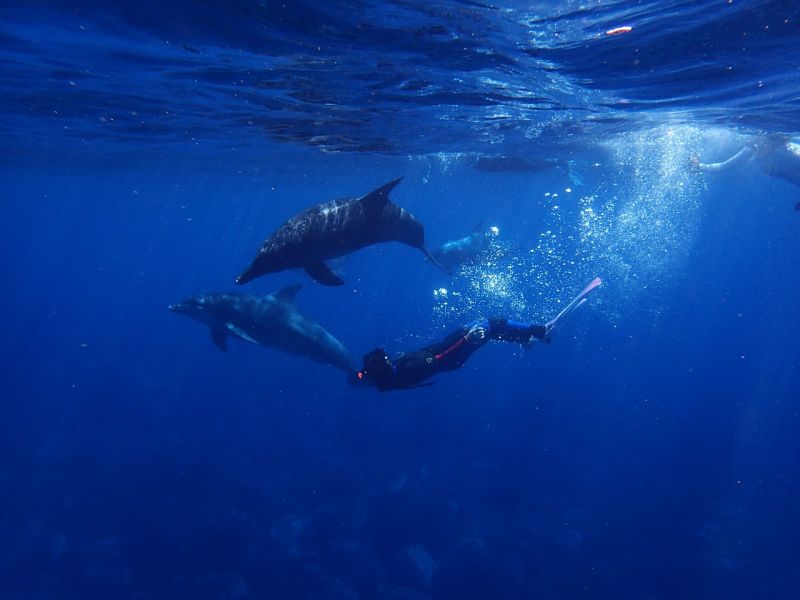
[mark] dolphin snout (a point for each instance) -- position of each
(247, 275)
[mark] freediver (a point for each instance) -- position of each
(412, 369)
(775, 153)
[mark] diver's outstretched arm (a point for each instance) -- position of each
(741, 156)
(508, 330)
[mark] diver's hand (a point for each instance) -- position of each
(476, 334)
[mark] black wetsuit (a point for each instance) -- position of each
(412, 369)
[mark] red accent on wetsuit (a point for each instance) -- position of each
(458, 344)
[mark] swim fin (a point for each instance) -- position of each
(576, 302)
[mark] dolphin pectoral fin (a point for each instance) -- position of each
(321, 273)
(241, 333)
(220, 338)
(287, 294)
(377, 198)
(432, 259)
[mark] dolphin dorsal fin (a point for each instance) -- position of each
(288, 293)
(377, 198)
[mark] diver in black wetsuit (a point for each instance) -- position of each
(412, 369)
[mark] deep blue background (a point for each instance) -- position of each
(649, 452)
(656, 454)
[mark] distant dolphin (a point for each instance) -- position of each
(271, 320)
(333, 229)
(457, 252)
(516, 163)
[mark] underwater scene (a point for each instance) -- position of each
(402, 300)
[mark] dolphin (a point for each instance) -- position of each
(336, 228)
(495, 164)
(454, 253)
(272, 320)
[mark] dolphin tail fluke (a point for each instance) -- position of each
(321, 273)
(220, 338)
(431, 258)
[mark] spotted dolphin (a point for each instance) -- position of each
(455, 253)
(272, 320)
(336, 228)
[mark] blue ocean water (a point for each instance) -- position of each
(649, 451)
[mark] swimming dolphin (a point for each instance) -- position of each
(272, 320)
(456, 252)
(494, 164)
(333, 229)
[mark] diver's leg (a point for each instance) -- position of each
(454, 350)
(516, 331)
(454, 337)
